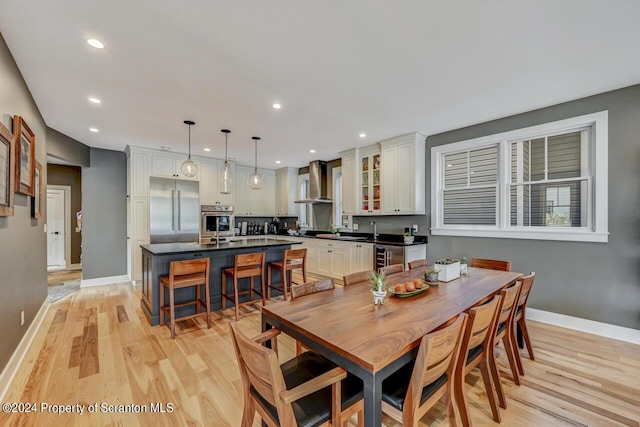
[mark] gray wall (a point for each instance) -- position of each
(104, 215)
(597, 281)
(69, 176)
(23, 257)
(68, 149)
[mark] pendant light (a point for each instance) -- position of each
(189, 167)
(256, 180)
(225, 176)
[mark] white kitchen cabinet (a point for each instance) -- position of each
(168, 166)
(138, 234)
(139, 178)
(210, 174)
(403, 175)
(369, 171)
(349, 182)
(249, 202)
(361, 255)
(286, 191)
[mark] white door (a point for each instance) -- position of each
(55, 228)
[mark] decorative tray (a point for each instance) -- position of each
(407, 294)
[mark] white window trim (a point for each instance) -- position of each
(599, 230)
(301, 179)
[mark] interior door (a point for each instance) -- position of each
(55, 228)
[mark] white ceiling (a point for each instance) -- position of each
(338, 67)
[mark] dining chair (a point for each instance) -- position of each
(477, 350)
(417, 264)
(245, 266)
(360, 276)
(391, 269)
(504, 332)
(493, 264)
(183, 274)
(293, 259)
(307, 289)
(412, 390)
(519, 319)
(307, 390)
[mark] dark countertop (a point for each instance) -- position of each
(173, 248)
(383, 239)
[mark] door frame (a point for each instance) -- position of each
(66, 189)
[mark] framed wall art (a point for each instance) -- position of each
(25, 146)
(7, 171)
(36, 203)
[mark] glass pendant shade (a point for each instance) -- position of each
(225, 177)
(189, 167)
(256, 180)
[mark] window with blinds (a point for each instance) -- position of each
(306, 209)
(538, 182)
(470, 188)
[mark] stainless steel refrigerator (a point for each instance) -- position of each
(174, 210)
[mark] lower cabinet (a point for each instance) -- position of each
(334, 258)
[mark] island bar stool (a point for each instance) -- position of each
(293, 259)
(245, 266)
(182, 274)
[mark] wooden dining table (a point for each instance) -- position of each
(373, 341)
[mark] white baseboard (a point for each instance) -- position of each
(584, 325)
(10, 370)
(104, 281)
(74, 267)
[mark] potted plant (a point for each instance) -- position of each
(335, 229)
(449, 269)
(408, 237)
(463, 266)
(431, 275)
(378, 287)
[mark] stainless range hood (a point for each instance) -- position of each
(318, 183)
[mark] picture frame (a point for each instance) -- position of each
(36, 202)
(25, 147)
(7, 171)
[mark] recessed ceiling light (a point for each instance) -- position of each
(207, 149)
(278, 161)
(94, 130)
(312, 151)
(95, 100)
(277, 106)
(363, 135)
(95, 43)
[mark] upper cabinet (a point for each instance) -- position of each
(210, 174)
(286, 185)
(386, 178)
(349, 174)
(370, 178)
(168, 166)
(249, 202)
(403, 175)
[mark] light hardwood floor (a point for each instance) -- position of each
(97, 347)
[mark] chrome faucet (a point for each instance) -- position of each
(375, 230)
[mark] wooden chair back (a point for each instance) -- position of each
(493, 264)
(392, 269)
(360, 276)
(190, 266)
(295, 257)
(311, 288)
(417, 264)
(437, 355)
(259, 368)
(507, 308)
(246, 265)
(480, 326)
(525, 290)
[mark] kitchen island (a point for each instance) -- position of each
(157, 257)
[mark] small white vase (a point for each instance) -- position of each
(378, 296)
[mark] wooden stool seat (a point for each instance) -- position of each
(293, 259)
(245, 266)
(183, 274)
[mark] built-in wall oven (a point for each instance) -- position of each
(216, 221)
